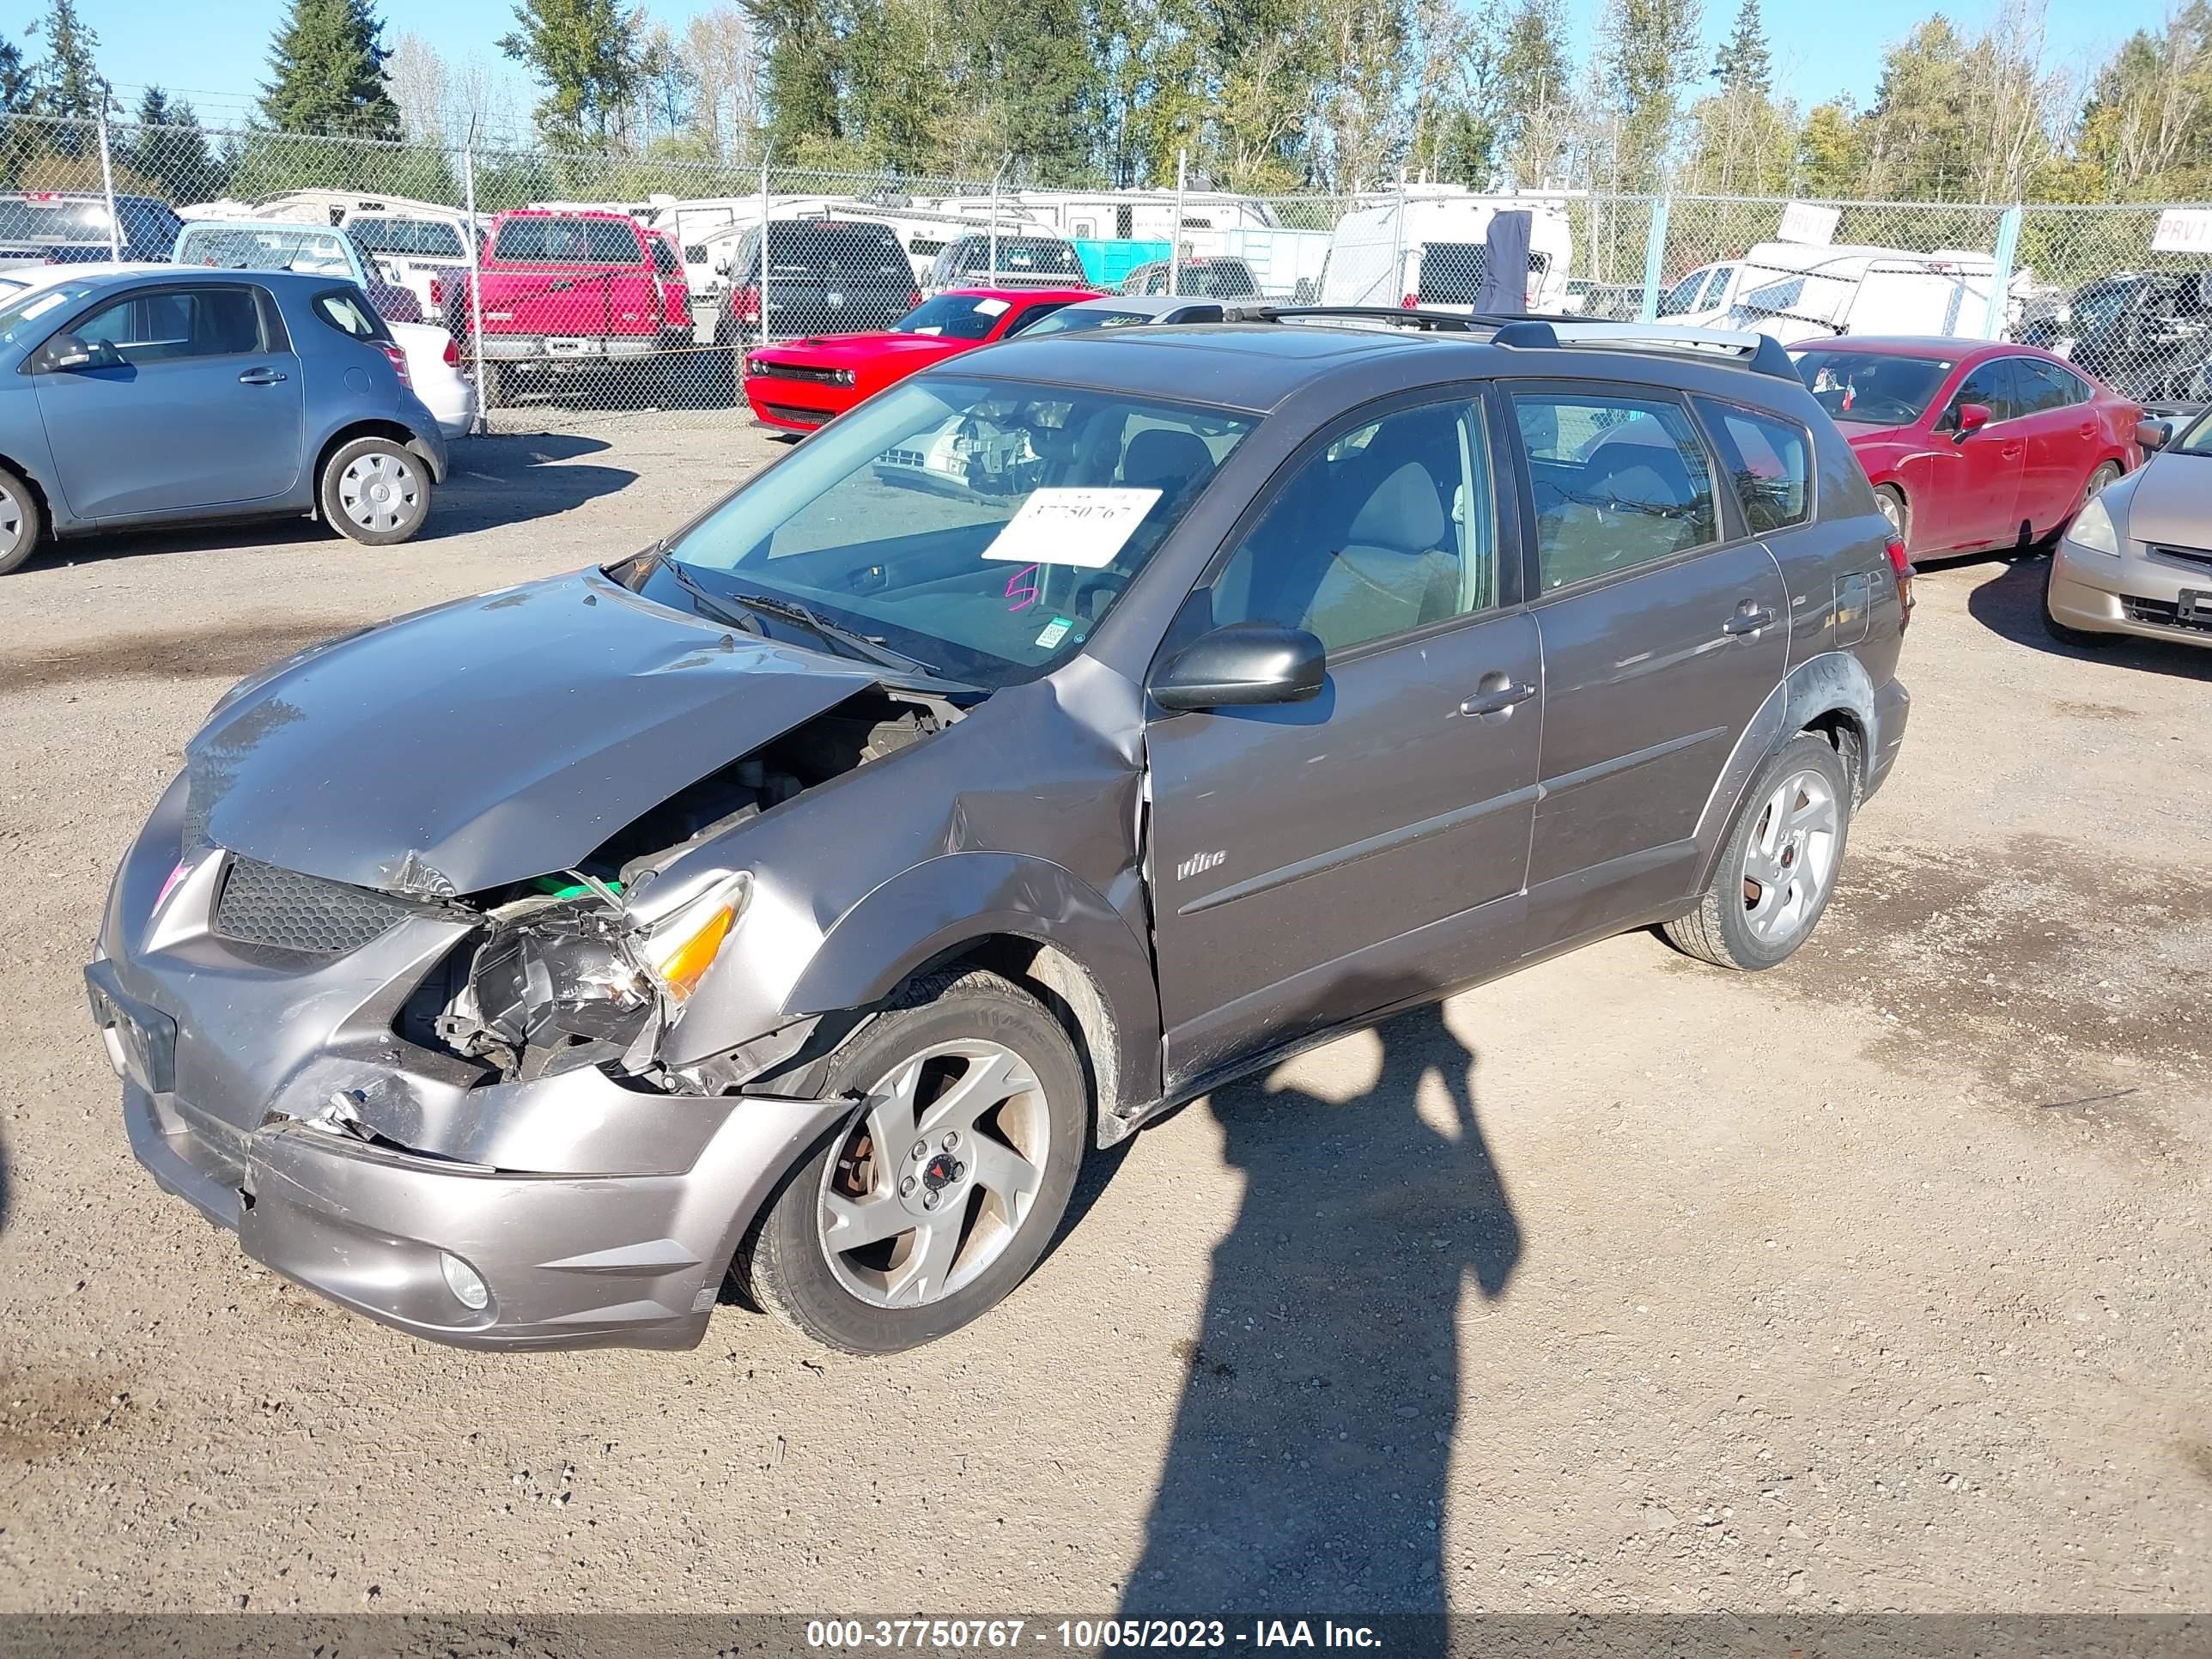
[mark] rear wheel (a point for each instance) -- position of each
(1891, 499)
(928, 1206)
(19, 522)
(375, 491)
(1779, 870)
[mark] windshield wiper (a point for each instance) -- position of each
(720, 608)
(864, 646)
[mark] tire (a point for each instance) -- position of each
(374, 491)
(892, 1289)
(1798, 863)
(21, 522)
(2076, 637)
(1891, 499)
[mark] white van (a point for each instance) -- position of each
(1429, 248)
(1796, 291)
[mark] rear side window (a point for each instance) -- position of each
(664, 257)
(420, 236)
(347, 311)
(1619, 482)
(558, 242)
(2043, 385)
(1772, 460)
(167, 324)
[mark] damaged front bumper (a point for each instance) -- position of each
(573, 1210)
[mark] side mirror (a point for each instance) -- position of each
(67, 351)
(1242, 664)
(1972, 417)
(2152, 435)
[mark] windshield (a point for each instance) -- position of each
(1019, 256)
(1871, 387)
(1070, 319)
(235, 248)
(982, 528)
(27, 315)
(1683, 296)
(2195, 441)
(955, 316)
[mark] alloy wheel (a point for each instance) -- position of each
(1790, 857)
(937, 1176)
(11, 520)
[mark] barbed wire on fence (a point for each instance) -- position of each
(557, 320)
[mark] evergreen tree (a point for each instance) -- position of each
(1744, 67)
(585, 54)
(328, 61)
(66, 84)
(171, 152)
(802, 70)
(1647, 44)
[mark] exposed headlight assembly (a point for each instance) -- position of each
(2093, 530)
(572, 980)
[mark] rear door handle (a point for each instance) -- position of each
(1498, 701)
(1749, 618)
(260, 376)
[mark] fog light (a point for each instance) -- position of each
(465, 1283)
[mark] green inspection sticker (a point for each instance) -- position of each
(1053, 632)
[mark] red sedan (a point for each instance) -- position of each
(804, 384)
(1971, 444)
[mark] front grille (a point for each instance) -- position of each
(813, 373)
(795, 415)
(2196, 558)
(262, 904)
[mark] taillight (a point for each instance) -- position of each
(746, 302)
(1902, 568)
(914, 299)
(452, 353)
(399, 363)
(437, 290)
(1411, 302)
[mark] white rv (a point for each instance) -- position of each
(1428, 247)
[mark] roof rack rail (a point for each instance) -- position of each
(1444, 322)
(1763, 352)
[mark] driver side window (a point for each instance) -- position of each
(1389, 528)
(1989, 383)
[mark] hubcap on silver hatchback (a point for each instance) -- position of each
(11, 520)
(378, 491)
(939, 1175)
(1790, 858)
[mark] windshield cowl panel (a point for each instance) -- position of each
(981, 528)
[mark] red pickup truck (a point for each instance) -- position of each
(567, 286)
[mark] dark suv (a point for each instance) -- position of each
(800, 898)
(62, 227)
(824, 276)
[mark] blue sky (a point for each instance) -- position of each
(1819, 48)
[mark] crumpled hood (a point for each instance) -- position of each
(2168, 501)
(493, 739)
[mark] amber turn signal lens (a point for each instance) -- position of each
(684, 967)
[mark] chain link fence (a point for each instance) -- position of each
(576, 288)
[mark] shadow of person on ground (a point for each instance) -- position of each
(1308, 1465)
(2011, 606)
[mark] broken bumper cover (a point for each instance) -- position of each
(567, 1257)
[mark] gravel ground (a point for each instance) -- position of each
(1877, 1282)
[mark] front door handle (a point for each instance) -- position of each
(260, 376)
(1499, 700)
(1749, 618)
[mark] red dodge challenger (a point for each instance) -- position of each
(1971, 444)
(804, 384)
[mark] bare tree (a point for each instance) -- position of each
(719, 47)
(416, 76)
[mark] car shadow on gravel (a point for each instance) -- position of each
(490, 481)
(1307, 1469)
(2010, 605)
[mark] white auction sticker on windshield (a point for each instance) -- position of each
(1083, 527)
(989, 307)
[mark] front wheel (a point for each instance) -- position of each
(1778, 869)
(934, 1201)
(375, 491)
